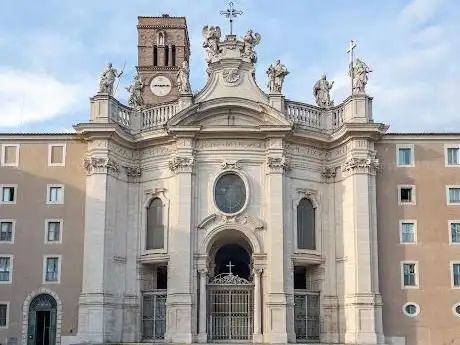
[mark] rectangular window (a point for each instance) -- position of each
(52, 269)
(409, 275)
(3, 315)
(6, 268)
(456, 274)
(10, 154)
(405, 156)
(408, 231)
(453, 196)
(406, 194)
(6, 231)
(53, 231)
(454, 228)
(55, 194)
(56, 154)
(453, 156)
(8, 194)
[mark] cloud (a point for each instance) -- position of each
(419, 11)
(30, 98)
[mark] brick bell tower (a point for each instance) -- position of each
(163, 44)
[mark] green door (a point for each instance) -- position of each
(41, 329)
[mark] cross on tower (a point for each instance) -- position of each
(230, 267)
(231, 13)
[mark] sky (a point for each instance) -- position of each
(52, 53)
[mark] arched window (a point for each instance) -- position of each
(173, 55)
(161, 39)
(166, 55)
(306, 238)
(155, 225)
(155, 55)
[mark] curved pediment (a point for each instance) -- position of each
(229, 111)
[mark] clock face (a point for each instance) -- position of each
(160, 86)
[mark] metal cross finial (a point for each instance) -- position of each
(351, 51)
(230, 267)
(231, 13)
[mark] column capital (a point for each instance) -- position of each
(202, 270)
(258, 269)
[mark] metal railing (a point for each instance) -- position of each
(306, 315)
(154, 315)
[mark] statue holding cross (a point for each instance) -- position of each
(358, 72)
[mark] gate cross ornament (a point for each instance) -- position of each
(230, 267)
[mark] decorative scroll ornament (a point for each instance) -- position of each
(277, 164)
(230, 165)
(214, 220)
(133, 171)
(101, 165)
(232, 76)
(229, 279)
(180, 164)
(362, 165)
(328, 172)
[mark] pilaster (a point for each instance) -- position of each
(179, 300)
(275, 303)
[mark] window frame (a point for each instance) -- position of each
(412, 221)
(50, 151)
(454, 311)
(449, 230)
(449, 203)
(10, 281)
(13, 230)
(4, 146)
(446, 155)
(451, 266)
(7, 324)
(417, 278)
(48, 194)
(149, 195)
(417, 307)
(45, 259)
(312, 195)
(9, 185)
(61, 226)
(414, 194)
(405, 146)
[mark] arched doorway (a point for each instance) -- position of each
(230, 290)
(41, 329)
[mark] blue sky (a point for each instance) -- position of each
(53, 51)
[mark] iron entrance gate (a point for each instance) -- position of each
(154, 315)
(230, 308)
(306, 314)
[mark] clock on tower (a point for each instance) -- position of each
(163, 45)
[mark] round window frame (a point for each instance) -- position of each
(417, 309)
(454, 311)
(246, 185)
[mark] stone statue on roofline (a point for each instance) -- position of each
(250, 40)
(321, 91)
(135, 98)
(211, 40)
(108, 79)
(182, 79)
(358, 72)
(276, 74)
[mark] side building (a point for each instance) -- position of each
(42, 207)
(418, 203)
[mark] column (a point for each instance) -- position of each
(202, 335)
(257, 336)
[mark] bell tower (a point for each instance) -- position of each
(163, 44)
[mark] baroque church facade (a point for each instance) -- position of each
(229, 215)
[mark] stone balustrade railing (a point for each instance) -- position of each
(309, 116)
(301, 114)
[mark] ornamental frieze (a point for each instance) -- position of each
(328, 172)
(133, 171)
(230, 144)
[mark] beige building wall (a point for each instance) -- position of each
(32, 175)
(436, 322)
